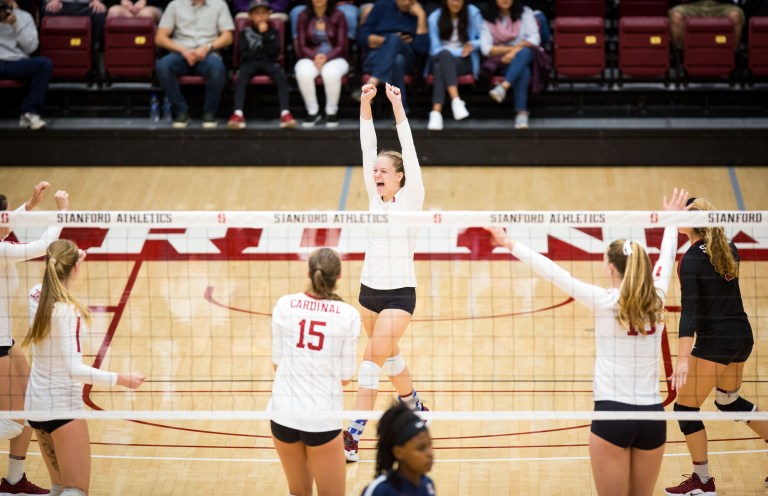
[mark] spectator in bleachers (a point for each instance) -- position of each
(279, 9)
(194, 31)
(394, 33)
(96, 9)
(322, 44)
(140, 8)
(454, 34)
(348, 8)
(259, 51)
(508, 38)
(704, 8)
(18, 40)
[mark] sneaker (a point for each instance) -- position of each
(435, 121)
(21, 487)
(236, 122)
(31, 121)
(332, 120)
(181, 120)
(350, 448)
(459, 108)
(209, 120)
(287, 121)
(521, 120)
(498, 93)
(693, 486)
(312, 120)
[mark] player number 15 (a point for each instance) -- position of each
(312, 332)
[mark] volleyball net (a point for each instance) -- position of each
(186, 299)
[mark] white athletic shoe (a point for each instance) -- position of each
(31, 121)
(435, 121)
(521, 120)
(350, 448)
(459, 108)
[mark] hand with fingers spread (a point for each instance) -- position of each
(677, 201)
(500, 237)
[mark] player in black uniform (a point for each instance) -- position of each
(712, 310)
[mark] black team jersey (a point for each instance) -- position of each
(711, 303)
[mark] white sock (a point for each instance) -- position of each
(15, 470)
(702, 470)
(72, 491)
(283, 113)
(56, 490)
(412, 401)
(239, 113)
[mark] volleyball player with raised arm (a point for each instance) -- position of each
(314, 345)
(388, 280)
(625, 455)
(58, 373)
(14, 368)
(712, 310)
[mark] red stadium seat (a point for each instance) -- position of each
(643, 8)
(66, 40)
(708, 47)
(242, 23)
(365, 77)
(580, 8)
(10, 84)
(758, 46)
(129, 47)
(644, 46)
(463, 80)
(579, 46)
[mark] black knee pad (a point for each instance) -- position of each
(689, 427)
(740, 405)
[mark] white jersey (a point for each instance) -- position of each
(314, 345)
(10, 255)
(627, 363)
(58, 373)
(389, 258)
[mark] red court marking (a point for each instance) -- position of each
(210, 298)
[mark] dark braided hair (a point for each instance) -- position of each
(394, 420)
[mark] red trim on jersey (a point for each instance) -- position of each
(312, 296)
(77, 334)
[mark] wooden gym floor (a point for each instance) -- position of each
(200, 330)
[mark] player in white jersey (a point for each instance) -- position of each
(626, 455)
(14, 368)
(388, 281)
(314, 343)
(58, 373)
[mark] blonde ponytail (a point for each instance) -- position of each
(718, 248)
(639, 302)
(60, 258)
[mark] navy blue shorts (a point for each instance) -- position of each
(378, 300)
(640, 434)
(6, 350)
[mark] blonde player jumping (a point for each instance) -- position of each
(388, 280)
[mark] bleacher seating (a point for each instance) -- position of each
(66, 40)
(709, 50)
(579, 46)
(129, 47)
(758, 46)
(644, 47)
